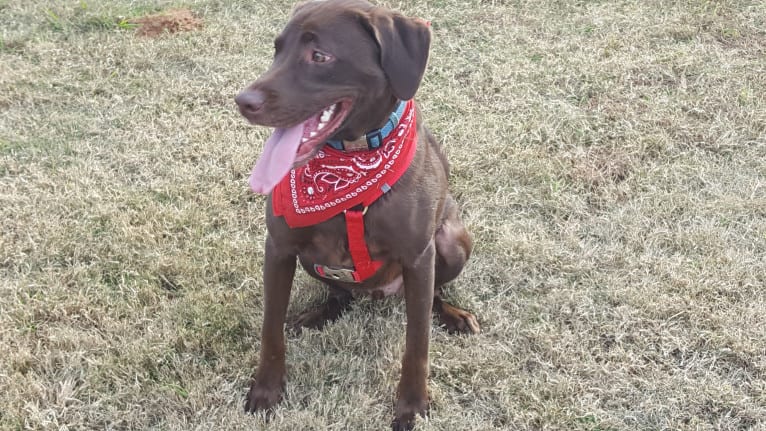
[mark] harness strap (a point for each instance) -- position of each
(364, 266)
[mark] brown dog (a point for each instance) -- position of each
(340, 69)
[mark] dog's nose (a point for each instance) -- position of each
(250, 101)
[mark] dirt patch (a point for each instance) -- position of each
(171, 21)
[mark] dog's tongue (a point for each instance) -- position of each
(277, 159)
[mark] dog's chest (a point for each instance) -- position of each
(325, 255)
(327, 247)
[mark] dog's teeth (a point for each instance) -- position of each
(320, 126)
(312, 134)
(327, 113)
(304, 140)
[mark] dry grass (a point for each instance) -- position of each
(609, 157)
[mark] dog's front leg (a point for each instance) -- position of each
(268, 384)
(412, 394)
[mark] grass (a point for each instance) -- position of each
(608, 157)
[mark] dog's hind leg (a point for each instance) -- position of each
(329, 311)
(453, 247)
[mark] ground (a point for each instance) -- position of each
(609, 158)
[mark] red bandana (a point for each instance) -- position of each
(334, 181)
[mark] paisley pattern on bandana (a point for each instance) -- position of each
(334, 180)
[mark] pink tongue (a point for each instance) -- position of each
(277, 159)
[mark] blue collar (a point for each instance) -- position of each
(374, 138)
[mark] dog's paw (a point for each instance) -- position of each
(406, 413)
(262, 396)
(315, 318)
(320, 315)
(457, 321)
(403, 424)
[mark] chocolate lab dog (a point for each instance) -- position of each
(341, 69)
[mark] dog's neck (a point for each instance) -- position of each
(372, 139)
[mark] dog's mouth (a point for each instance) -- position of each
(294, 146)
(319, 128)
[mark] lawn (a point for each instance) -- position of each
(609, 158)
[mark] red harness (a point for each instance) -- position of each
(336, 181)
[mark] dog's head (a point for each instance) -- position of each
(339, 67)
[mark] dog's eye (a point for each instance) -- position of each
(319, 57)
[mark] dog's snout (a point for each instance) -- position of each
(250, 101)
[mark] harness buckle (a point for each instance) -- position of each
(338, 274)
(364, 210)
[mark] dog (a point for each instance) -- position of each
(357, 185)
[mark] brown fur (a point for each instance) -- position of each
(414, 228)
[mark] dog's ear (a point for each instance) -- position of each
(404, 44)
